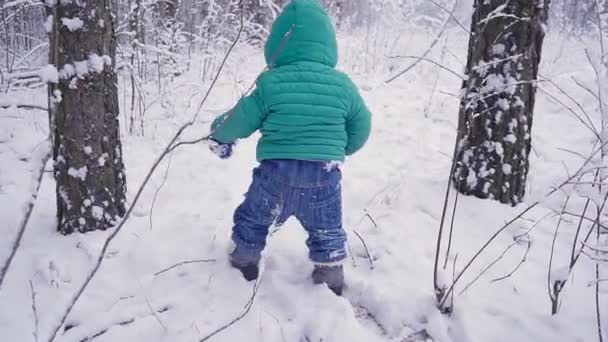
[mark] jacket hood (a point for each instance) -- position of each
(303, 32)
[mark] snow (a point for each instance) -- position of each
(49, 74)
(399, 179)
(97, 212)
(499, 49)
(72, 24)
(48, 23)
(80, 173)
(67, 71)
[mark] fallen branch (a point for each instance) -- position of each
(158, 190)
(183, 263)
(242, 315)
(123, 322)
(34, 311)
(28, 213)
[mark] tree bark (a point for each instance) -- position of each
(89, 170)
(497, 99)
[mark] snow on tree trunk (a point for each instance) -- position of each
(497, 103)
(89, 170)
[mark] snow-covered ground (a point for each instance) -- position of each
(399, 179)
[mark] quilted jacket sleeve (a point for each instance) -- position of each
(241, 121)
(358, 125)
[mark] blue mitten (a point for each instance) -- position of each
(224, 151)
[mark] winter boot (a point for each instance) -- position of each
(333, 276)
(247, 264)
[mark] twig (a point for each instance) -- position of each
(242, 315)
(23, 106)
(34, 311)
(426, 53)
(451, 14)
(162, 156)
(152, 311)
(369, 256)
(580, 84)
(124, 322)
(28, 214)
(508, 224)
(367, 214)
(578, 231)
(447, 252)
(453, 277)
(440, 289)
(577, 103)
(521, 262)
(278, 323)
(432, 62)
(502, 255)
(350, 251)
(556, 287)
(598, 312)
(159, 188)
(183, 263)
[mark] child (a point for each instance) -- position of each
(310, 117)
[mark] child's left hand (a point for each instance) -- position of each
(224, 151)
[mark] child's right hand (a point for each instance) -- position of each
(224, 151)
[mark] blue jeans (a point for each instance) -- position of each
(308, 190)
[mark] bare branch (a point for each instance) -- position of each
(445, 294)
(577, 103)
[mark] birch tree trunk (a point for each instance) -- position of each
(89, 170)
(497, 103)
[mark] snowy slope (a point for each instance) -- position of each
(398, 179)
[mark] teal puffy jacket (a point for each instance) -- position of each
(304, 108)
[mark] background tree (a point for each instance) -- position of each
(497, 99)
(89, 170)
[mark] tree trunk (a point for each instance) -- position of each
(89, 171)
(497, 103)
